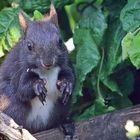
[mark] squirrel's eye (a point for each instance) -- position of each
(30, 45)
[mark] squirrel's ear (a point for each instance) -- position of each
(53, 14)
(23, 21)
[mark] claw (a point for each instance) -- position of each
(40, 98)
(65, 89)
(40, 90)
(44, 90)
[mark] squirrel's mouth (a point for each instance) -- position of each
(47, 65)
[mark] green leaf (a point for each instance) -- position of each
(97, 109)
(73, 15)
(112, 85)
(96, 2)
(99, 2)
(114, 8)
(94, 20)
(130, 16)
(134, 52)
(83, 1)
(13, 36)
(126, 45)
(130, 46)
(41, 5)
(121, 102)
(3, 3)
(87, 56)
(37, 15)
(114, 37)
(88, 113)
(101, 108)
(125, 81)
(9, 29)
(87, 37)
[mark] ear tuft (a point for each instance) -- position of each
(53, 14)
(23, 21)
(52, 9)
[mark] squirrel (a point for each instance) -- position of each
(37, 78)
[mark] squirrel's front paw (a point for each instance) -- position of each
(65, 89)
(40, 90)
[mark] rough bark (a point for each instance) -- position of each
(9, 130)
(105, 127)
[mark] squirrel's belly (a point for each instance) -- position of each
(39, 115)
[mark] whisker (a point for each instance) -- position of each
(17, 73)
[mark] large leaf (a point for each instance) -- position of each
(126, 45)
(113, 49)
(113, 56)
(9, 29)
(112, 85)
(87, 56)
(120, 102)
(98, 108)
(134, 52)
(37, 16)
(3, 3)
(87, 38)
(130, 16)
(41, 5)
(115, 35)
(94, 20)
(97, 2)
(131, 47)
(73, 15)
(125, 81)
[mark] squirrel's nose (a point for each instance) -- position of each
(46, 65)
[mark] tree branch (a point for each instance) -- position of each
(9, 130)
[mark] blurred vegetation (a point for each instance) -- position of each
(107, 51)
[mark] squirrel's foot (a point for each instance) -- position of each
(68, 129)
(40, 90)
(65, 89)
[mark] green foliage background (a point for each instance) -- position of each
(106, 36)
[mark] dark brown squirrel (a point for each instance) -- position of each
(36, 78)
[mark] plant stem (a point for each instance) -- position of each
(98, 79)
(135, 32)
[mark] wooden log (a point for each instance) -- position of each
(105, 127)
(9, 130)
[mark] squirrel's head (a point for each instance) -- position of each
(42, 43)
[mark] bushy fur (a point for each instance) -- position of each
(16, 84)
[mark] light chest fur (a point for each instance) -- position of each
(39, 112)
